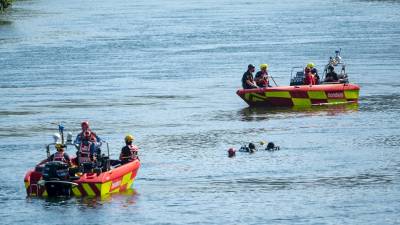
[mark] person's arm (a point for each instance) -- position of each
(252, 84)
(78, 140)
(121, 155)
(98, 142)
(92, 149)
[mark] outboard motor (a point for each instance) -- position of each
(56, 177)
(87, 167)
(104, 163)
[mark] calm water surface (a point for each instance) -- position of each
(167, 71)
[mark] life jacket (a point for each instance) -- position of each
(133, 155)
(85, 146)
(134, 150)
(59, 156)
(263, 83)
(309, 79)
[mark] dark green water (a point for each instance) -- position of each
(167, 71)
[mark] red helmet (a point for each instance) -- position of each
(85, 125)
(231, 152)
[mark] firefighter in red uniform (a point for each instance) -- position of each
(130, 151)
(309, 78)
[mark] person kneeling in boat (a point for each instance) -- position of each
(88, 144)
(248, 79)
(60, 155)
(129, 152)
(331, 76)
(261, 77)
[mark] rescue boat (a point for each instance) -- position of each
(299, 95)
(100, 178)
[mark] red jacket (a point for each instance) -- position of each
(309, 79)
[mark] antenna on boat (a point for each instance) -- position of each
(338, 58)
(61, 130)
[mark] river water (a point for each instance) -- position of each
(167, 72)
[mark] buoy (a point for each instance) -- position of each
(231, 152)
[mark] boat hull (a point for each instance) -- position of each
(301, 96)
(116, 180)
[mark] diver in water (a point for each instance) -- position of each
(251, 148)
(272, 147)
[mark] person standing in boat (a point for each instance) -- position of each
(314, 72)
(60, 155)
(261, 77)
(248, 79)
(130, 151)
(309, 78)
(331, 76)
(88, 144)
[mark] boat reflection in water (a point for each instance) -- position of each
(125, 198)
(263, 113)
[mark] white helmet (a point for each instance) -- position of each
(57, 138)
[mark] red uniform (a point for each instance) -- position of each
(309, 79)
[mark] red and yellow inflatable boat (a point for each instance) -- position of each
(98, 178)
(115, 180)
(301, 96)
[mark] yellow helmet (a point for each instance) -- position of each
(59, 146)
(310, 65)
(263, 66)
(129, 138)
